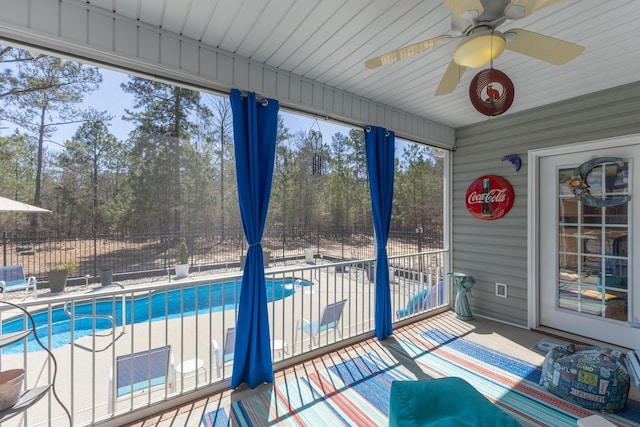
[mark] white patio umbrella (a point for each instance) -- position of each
(8, 205)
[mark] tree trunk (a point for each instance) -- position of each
(36, 197)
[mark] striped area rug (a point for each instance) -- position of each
(356, 392)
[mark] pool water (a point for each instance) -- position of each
(159, 305)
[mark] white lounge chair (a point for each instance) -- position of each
(223, 355)
(144, 370)
(330, 320)
(12, 279)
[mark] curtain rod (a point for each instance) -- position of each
(259, 99)
(368, 129)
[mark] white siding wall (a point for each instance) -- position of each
(496, 251)
(72, 29)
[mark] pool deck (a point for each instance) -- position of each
(91, 357)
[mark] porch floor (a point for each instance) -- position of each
(513, 341)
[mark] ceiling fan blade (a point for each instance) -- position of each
(405, 52)
(520, 8)
(467, 9)
(450, 79)
(545, 48)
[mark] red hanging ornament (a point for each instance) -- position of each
(491, 92)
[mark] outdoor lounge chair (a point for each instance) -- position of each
(224, 355)
(330, 320)
(425, 299)
(141, 371)
(417, 303)
(12, 279)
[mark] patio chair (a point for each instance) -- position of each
(137, 372)
(224, 355)
(425, 299)
(12, 279)
(329, 320)
(417, 303)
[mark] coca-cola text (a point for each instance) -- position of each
(493, 196)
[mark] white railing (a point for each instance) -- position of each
(87, 335)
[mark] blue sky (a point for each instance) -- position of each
(111, 81)
(112, 98)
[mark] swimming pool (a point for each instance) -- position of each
(157, 306)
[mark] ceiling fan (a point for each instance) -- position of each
(476, 23)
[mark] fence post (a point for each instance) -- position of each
(95, 252)
(166, 251)
(283, 241)
(420, 271)
(4, 246)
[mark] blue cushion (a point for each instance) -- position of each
(443, 402)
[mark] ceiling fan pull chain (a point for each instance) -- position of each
(492, 34)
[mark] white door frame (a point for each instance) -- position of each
(533, 198)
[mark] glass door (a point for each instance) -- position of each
(592, 243)
(586, 234)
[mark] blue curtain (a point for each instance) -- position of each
(380, 148)
(254, 132)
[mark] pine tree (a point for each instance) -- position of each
(43, 96)
(92, 156)
(164, 123)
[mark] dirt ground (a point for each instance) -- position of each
(131, 255)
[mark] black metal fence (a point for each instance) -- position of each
(131, 254)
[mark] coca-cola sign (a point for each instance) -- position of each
(489, 197)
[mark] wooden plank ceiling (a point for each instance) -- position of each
(328, 41)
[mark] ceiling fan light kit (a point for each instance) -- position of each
(476, 23)
(478, 50)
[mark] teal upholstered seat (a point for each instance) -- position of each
(443, 402)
